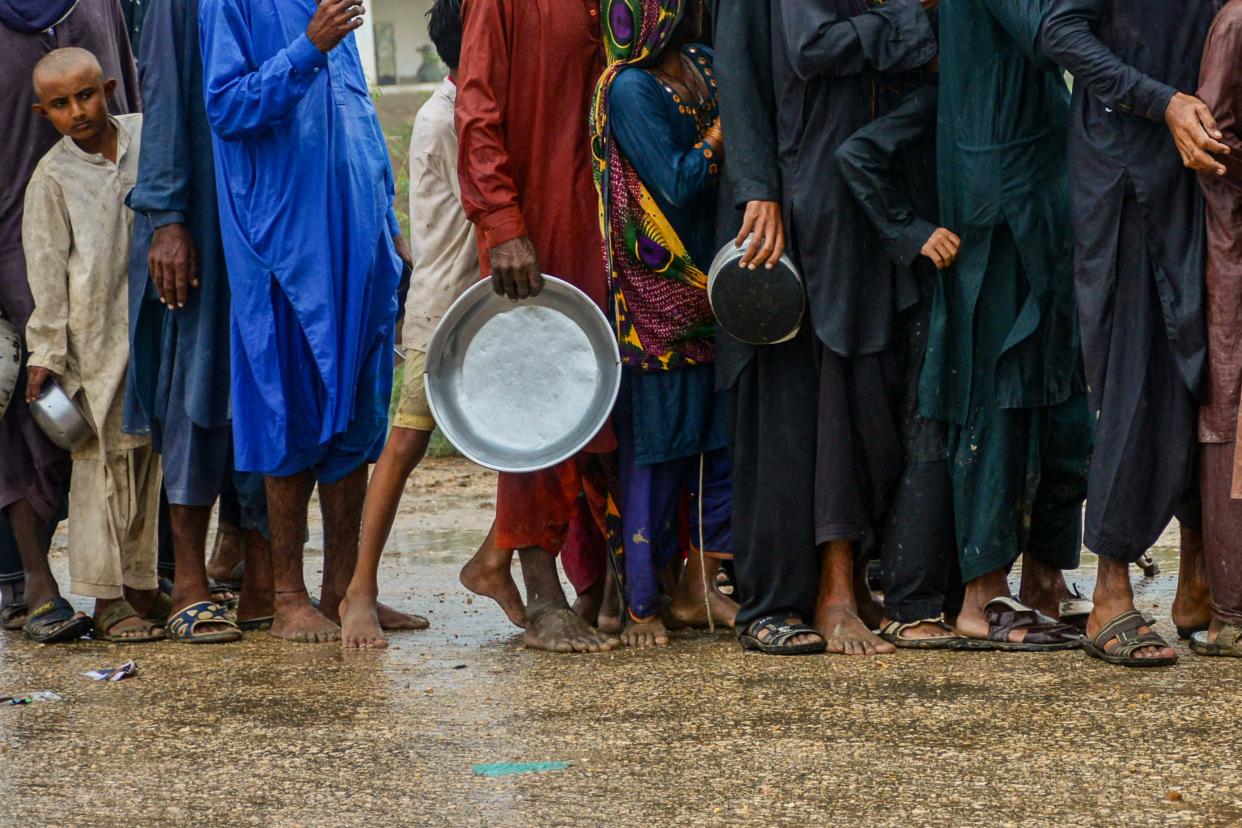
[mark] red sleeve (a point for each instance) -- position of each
(487, 189)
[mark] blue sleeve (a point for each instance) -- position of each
(638, 118)
(162, 191)
(243, 97)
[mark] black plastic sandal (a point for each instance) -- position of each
(780, 633)
(1125, 630)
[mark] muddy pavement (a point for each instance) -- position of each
(271, 734)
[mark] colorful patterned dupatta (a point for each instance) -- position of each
(659, 295)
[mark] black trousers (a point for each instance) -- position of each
(918, 548)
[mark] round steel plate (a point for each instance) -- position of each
(760, 307)
(559, 376)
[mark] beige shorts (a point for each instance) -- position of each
(413, 412)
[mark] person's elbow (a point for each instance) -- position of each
(1056, 38)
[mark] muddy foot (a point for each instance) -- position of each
(360, 625)
(497, 584)
(561, 631)
(391, 619)
(689, 610)
(645, 634)
(587, 604)
(869, 610)
(299, 621)
(846, 634)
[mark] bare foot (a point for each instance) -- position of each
(228, 552)
(1192, 604)
(495, 582)
(846, 634)
(297, 620)
(610, 611)
(588, 603)
(689, 610)
(869, 610)
(360, 625)
(391, 619)
(642, 634)
(559, 630)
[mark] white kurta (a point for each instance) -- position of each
(76, 234)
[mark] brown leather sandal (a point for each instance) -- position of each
(1043, 634)
(1124, 629)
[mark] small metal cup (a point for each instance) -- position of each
(60, 418)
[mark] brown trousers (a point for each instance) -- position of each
(1222, 530)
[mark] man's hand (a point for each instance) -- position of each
(173, 264)
(403, 250)
(36, 376)
(333, 20)
(942, 248)
(1196, 134)
(515, 269)
(763, 220)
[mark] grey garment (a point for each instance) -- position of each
(1128, 58)
(10, 558)
(918, 550)
(772, 419)
(828, 59)
(743, 46)
(34, 469)
(1143, 468)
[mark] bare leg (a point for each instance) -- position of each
(611, 608)
(360, 622)
(698, 594)
(1043, 587)
(30, 532)
(189, 528)
(341, 504)
(870, 610)
(227, 553)
(1192, 605)
(836, 613)
(551, 624)
(257, 598)
(489, 574)
(588, 602)
(1113, 596)
(296, 619)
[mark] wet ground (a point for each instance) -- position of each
(271, 734)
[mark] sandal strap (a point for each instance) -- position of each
(55, 611)
(183, 624)
(779, 630)
(1119, 628)
(116, 613)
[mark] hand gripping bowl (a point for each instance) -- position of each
(10, 362)
(59, 417)
(522, 387)
(760, 306)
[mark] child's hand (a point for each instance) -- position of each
(35, 377)
(942, 248)
(173, 264)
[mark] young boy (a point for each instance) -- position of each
(445, 264)
(76, 235)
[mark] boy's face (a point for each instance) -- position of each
(76, 102)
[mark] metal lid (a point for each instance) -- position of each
(762, 306)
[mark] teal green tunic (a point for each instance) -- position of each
(1002, 162)
(1003, 365)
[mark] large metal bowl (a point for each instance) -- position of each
(59, 417)
(10, 362)
(488, 406)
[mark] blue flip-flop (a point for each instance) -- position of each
(56, 622)
(183, 626)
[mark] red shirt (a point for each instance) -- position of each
(528, 72)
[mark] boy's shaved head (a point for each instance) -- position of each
(65, 62)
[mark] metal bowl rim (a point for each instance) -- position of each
(436, 346)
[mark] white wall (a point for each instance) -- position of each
(409, 21)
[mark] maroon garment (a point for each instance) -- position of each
(1222, 531)
(524, 89)
(31, 467)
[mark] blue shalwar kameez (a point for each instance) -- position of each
(306, 192)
